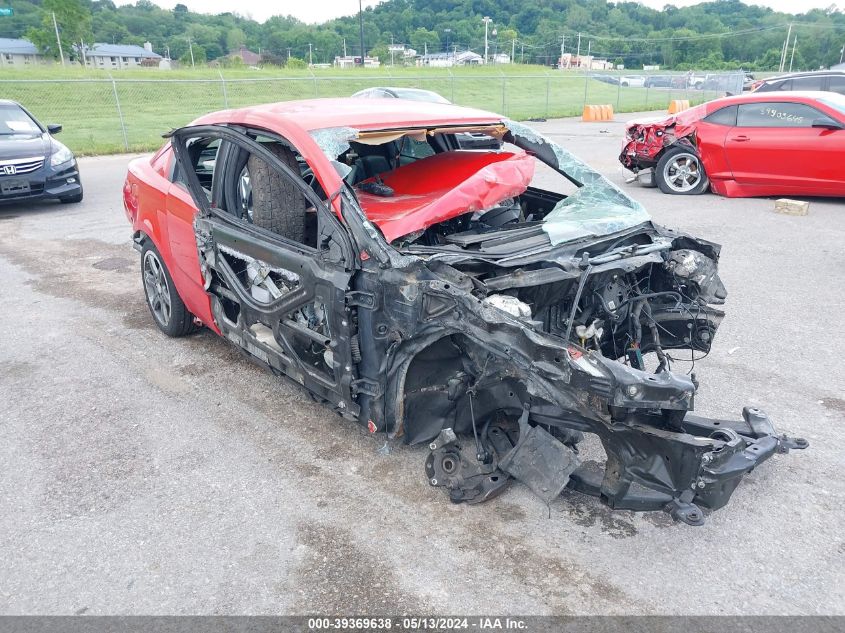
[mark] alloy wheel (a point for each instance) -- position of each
(683, 172)
(157, 288)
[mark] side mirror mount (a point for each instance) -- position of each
(828, 124)
(54, 128)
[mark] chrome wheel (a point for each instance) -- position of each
(157, 288)
(683, 173)
(245, 195)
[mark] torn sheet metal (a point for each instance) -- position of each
(597, 208)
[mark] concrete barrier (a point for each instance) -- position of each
(598, 113)
(678, 105)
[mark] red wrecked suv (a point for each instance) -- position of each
(443, 296)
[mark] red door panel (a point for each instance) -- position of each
(185, 268)
(803, 159)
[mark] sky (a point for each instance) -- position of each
(316, 11)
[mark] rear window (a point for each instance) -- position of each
(808, 83)
(724, 116)
(837, 84)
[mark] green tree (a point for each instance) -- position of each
(198, 52)
(74, 23)
(422, 38)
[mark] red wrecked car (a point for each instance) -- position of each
(759, 144)
(439, 295)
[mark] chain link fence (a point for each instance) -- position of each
(113, 114)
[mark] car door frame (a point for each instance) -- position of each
(324, 273)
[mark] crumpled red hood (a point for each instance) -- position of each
(445, 186)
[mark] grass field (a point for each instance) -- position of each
(152, 102)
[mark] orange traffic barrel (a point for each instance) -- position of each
(678, 105)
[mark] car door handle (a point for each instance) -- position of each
(741, 138)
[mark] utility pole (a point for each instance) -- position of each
(513, 50)
(578, 52)
(785, 48)
(310, 55)
(58, 39)
(562, 45)
(191, 48)
(391, 49)
(792, 57)
(344, 47)
(288, 53)
(522, 52)
(486, 19)
(361, 29)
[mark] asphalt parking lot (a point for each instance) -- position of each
(141, 474)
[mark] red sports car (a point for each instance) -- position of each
(439, 295)
(759, 144)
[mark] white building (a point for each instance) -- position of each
(19, 53)
(442, 60)
(120, 56)
(349, 61)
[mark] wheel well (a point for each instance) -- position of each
(433, 388)
(687, 142)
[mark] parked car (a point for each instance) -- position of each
(439, 296)
(665, 81)
(828, 80)
(605, 78)
(757, 144)
(413, 94)
(467, 141)
(695, 81)
(633, 81)
(33, 164)
(748, 81)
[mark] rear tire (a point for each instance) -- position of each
(277, 203)
(166, 306)
(680, 172)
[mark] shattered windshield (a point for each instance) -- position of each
(596, 208)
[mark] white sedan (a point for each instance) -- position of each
(633, 81)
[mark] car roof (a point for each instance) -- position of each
(787, 95)
(399, 89)
(814, 73)
(375, 114)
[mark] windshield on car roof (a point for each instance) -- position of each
(14, 121)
